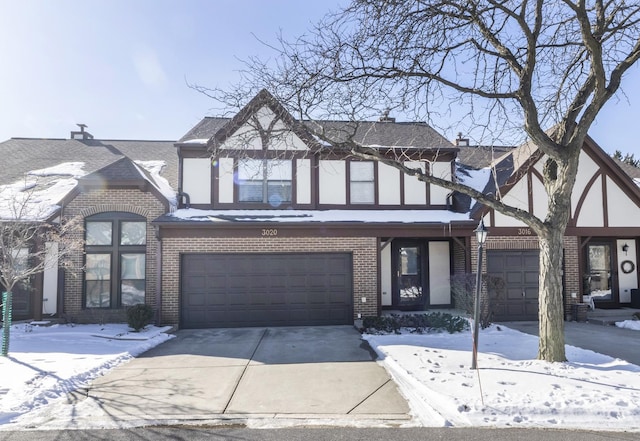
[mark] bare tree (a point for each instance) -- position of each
(30, 242)
(540, 68)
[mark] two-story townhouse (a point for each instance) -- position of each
(274, 228)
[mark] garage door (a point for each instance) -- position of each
(235, 290)
(515, 296)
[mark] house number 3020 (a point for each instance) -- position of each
(269, 232)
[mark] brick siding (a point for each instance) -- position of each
(363, 249)
(102, 201)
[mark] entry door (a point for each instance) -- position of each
(599, 278)
(409, 260)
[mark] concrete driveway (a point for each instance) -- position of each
(213, 374)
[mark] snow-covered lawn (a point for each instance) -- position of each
(511, 388)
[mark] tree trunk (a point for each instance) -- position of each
(551, 314)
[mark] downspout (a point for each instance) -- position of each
(182, 194)
(158, 277)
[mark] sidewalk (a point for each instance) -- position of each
(609, 340)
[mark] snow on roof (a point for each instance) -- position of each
(32, 199)
(74, 169)
(154, 168)
(371, 216)
(476, 179)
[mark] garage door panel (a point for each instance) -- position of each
(266, 290)
(519, 270)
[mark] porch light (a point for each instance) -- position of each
(625, 248)
(481, 236)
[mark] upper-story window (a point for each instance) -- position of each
(362, 185)
(115, 245)
(265, 181)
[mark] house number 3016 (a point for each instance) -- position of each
(269, 232)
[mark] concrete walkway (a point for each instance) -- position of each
(227, 374)
(609, 340)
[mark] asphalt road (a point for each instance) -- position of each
(316, 434)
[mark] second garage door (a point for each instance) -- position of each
(236, 290)
(515, 297)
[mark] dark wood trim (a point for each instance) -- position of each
(530, 191)
(320, 229)
(605, 203)
(429, 171)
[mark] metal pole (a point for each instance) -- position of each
(476, 310)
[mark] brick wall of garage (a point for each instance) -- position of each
(102, 201)
(364, 250)
(571, 260)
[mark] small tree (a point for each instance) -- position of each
(26, 227)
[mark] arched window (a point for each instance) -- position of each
(115, 263)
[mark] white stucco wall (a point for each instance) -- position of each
(587, 168)
(332, 182)
(385, 275)
(439, 273)
(517, 197)
(225, 180)
(415, 191)
(247, 137)
(629, 281)
(196, 179)
(388, 185)
(438, 195)
(591, 214)
(622, 211)
(303, 181)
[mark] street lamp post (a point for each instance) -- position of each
(481, 236)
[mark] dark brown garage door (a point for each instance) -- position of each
(235, 290)
(516, 297)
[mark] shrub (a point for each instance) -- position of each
(420, 322)
(463, 287)
(139, 316)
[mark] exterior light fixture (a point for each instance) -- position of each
(625, 248)
(481, 237)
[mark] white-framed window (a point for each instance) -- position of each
(361, 185)
(266, 181)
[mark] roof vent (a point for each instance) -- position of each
(385, 116)
(462, 142)
(82, 134)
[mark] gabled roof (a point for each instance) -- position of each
(123, 172)
(50, 168)
(514, 165)
(387, 133)
(262, 99)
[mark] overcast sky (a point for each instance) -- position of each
(122, 66)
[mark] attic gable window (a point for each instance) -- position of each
(266, 181)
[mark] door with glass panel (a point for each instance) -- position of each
(598, 278)
(409, 258)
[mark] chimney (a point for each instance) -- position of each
(82, 134)
(385, 116)
(462, 142)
